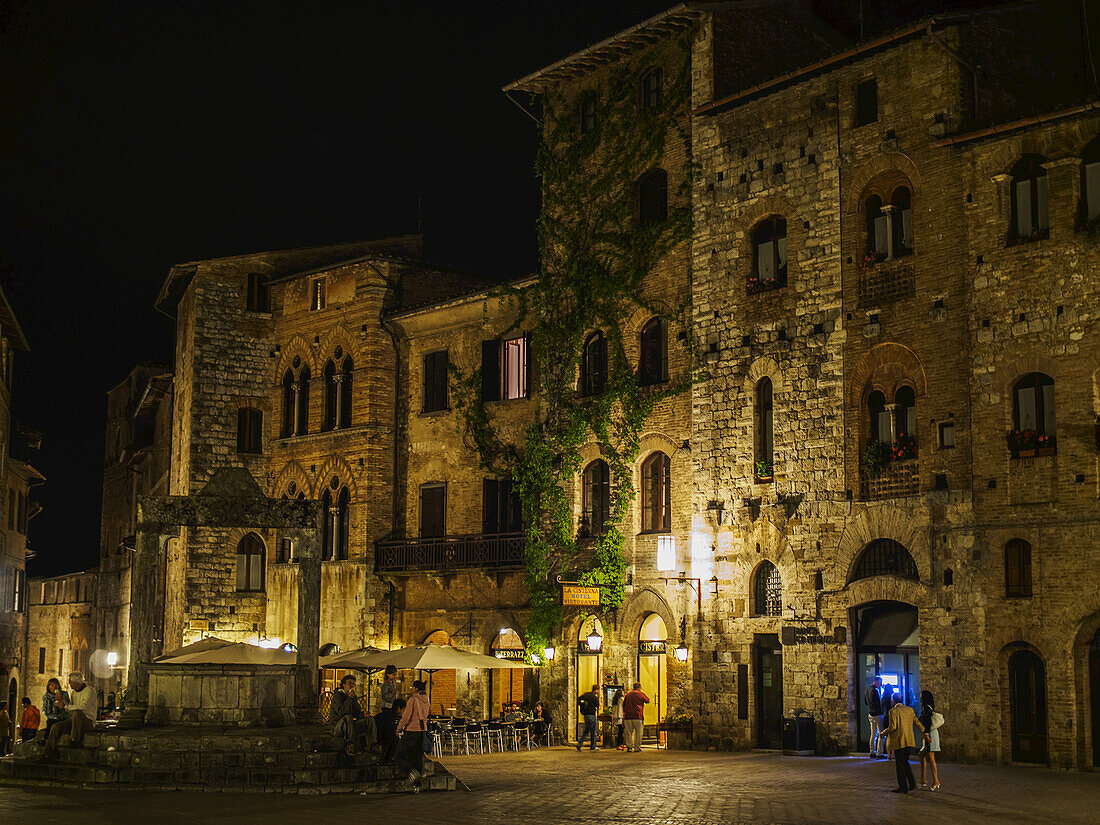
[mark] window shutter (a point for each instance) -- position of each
(1023, 208)
(514, 521)
(1048, 410)
(490, 370)
(442, 364)
(433, 503)
(1092, 189)
(490, 497)
(528, 367)
(882, 235)
(242, 431)
(765, 268)
(1026, 413)
(1041, 197)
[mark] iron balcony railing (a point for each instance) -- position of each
(449, 552)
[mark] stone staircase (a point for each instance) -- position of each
(286, 760)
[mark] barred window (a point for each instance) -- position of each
(885, 557)
(767, 591)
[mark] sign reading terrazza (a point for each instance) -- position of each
(573, 595)
(511, 655)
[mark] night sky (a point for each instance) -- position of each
(136, 136)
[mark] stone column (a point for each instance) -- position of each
(309, 623)
(143, 576)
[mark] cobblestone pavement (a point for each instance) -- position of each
(650, 788)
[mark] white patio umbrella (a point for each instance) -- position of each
(209, 643)
(228, 653)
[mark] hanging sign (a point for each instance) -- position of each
(651, 647)
(574, 595)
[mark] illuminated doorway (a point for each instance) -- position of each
(506, 686)
(589, 662)
(887, 646)
(653, 672)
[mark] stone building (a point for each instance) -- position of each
(887, 461)
(60, 630)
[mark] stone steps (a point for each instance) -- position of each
(181, 759)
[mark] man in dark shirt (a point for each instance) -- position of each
(589, 705)
(347, 720)
(873, 699)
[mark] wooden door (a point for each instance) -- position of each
(1027, 698)
(769, 692)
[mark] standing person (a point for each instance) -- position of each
(634, 716)
(346, 718)
(887, 703)
(83, 708)
(389, 687)
(873, 700)
(617, 718)
(931, 744)
(411, 729)
(589, 705)
(54, 701)
(31, 721)
(5, 729)
(899, 738)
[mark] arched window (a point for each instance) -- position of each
(1029, 198)
(905, 412)
(343, 523)
(657, 494)
(884, 557)
(902, 220)
(329, 376)
(327, 514)
(1033, 405)
(594, 364)
(336, 524)
(1017, 569)
(649, 92)
(250, 563)
(250, 430)
(347, 369)
(878, 234)
(769, 244)
(763, 435)
(653, 363)
(1090, 181)
(595, 498)
(651, 197)
(879, 417)
(302, 403)
(767, 591)
(289, 393)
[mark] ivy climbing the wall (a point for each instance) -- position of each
(597, 250)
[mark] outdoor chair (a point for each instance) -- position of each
(521, 734)
(437, 740)
(474, 733)
(456, 737)
(494, 732)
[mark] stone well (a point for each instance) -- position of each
(203, 694)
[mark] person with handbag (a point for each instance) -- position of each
(932, 722)
(413, 731)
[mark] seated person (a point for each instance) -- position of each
(347, 721)
(82, 708)
(54, 701)
(542, 723)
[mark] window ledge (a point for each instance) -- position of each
(1040, 452)
(434, 413)
(1015, 240)
(509, 400)
(266, 314)
(756, 287)
(654, 533)
(285, 441)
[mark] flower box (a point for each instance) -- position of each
(1026, 443)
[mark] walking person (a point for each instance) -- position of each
(634, 717)
(931, 722)
(872, 698)
(5, 729)
(411, 730)
(589, 705)
(30, 722)
(617, 718)
(899, 739)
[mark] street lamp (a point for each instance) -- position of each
(595, 640)
(681, 652)
(548, 652)
(112, 658)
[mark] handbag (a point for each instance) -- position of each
(937, 720)
(427, 742)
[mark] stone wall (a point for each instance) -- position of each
(60, 622)
(231, 695)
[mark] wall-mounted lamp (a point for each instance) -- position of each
(536, 659)
(714, 584)
(112, 659)
(666, 552)
(595, 641)
(681, 652)
(548, 652)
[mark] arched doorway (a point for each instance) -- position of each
(506, 686)
(589, 662)
(442, 684)
(653, 671)
(1094, 696)
(887, 646)
(1028, 707)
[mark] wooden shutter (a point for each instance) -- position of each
(528, 367)
(490, 508)
(433, 504)
(490, 370)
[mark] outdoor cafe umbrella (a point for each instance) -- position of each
(336, 660)
(227, 653)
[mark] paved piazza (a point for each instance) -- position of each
(653, 787)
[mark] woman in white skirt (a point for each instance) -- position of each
(930, 747)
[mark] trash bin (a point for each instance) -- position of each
(799, 736)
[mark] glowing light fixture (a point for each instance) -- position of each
(666, 552)
(548, 653)
(112, 658)
(290, 648)
(595, 641)
(536, 659)
(681, 652)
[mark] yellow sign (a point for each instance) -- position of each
(573, 595)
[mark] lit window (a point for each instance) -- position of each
(514, 373)
(317, 300)
(250, 563)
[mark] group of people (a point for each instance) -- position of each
(397, 733)
(70, 712)
(627, 715)
(892, 723)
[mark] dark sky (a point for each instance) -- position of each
(135, 136)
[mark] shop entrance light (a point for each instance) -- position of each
(548, 652)
(681, 652)
(595, 641)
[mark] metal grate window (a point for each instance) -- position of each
(885, 557)
(767, 595)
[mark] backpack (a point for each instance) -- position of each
(585, 704)
(937, 720)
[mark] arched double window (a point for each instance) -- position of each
(594, 364)
(767, 590)
(295, 392)
(595, 498)
(338, 377)
(651, 197)
(763, 440)
(884, 557)
(890, 224)
(769, 253)
(1090, 181)
(1018, 569)
(250, 563)
(336, 525)
(1029, 198)
(905, 412)
(657, 494)
(1033, 405)
(653, 360)
(879, 417)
